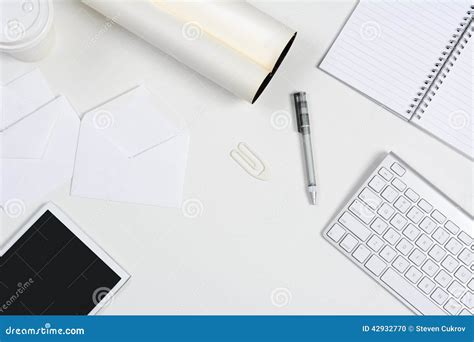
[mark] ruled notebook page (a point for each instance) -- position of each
(387, 48)
(449, 114)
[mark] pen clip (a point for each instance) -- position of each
(301, 110)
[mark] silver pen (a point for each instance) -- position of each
(302, 119)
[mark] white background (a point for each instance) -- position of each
(251, 238)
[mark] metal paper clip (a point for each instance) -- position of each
(250, 162)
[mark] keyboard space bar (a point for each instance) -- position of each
(411, 294)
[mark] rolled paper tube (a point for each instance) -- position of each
(231, 43)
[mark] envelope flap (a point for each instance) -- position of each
(28, 138)
(132, 122)
(22, 96)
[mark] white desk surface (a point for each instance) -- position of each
(253, 238)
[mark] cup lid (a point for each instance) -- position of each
(24, 22)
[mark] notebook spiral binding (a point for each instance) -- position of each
(443, 65)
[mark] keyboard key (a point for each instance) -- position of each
(450, 264)
(464, 312)
(424, 242)
(361, 253)
(349, 243)
(413, 275)
(471, 284)
(370, 198)
(451, 227)
(456, 289)
(463, 274)
(386, 211)
(441, 235)
(466, 239)
(336, 232)
(361, 211)
(417, 257)
(379, 226)
(466, 256)
(439, 296)
(440, 218)
(375, 265)
(454, 246)
(377, 183)
(428, 225)
(443, 278)
(425, 206)
(468, 300)
(400, 264)
(411, 232)
(402, 204)
(452, 306)
(398, 169)
(430, 268)
(387, 175)
(412, 295)
(437, 253)
(352, 224)
(388, 253)
(390, 194)
(412, 195)
(426, 285)
(391, 236)
(398, 221)
(404, 246)
(375, 243)
(398, 184)
(415, 215)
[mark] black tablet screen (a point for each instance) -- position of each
(50, 271)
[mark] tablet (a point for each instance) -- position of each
(51, 267)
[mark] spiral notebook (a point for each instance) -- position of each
(415, 58)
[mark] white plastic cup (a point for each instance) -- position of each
(27, 30)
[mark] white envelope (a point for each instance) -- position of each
(22, 96)
(37, 152)
(129, 152)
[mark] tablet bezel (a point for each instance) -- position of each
(81, 235)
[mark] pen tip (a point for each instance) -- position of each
(313, 198)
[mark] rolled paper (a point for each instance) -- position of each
(232, 43)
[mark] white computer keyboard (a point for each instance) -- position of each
(410, 238)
